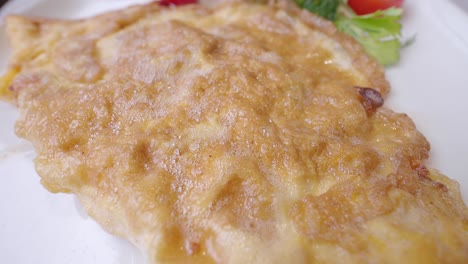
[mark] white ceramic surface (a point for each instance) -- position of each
(430, 84)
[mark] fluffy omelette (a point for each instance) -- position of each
(242, 133)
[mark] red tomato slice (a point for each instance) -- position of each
(362, 7)
(177, 2)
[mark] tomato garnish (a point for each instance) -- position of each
(363, 7)
(177, 2)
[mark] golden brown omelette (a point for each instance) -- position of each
(242, 133)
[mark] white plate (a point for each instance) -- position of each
(430, 84)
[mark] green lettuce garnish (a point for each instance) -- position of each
(379, 33)
(324, 8)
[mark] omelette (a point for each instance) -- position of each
(232, 133)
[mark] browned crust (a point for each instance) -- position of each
(367, 65)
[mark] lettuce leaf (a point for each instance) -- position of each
(378, 32)
(324, 8)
